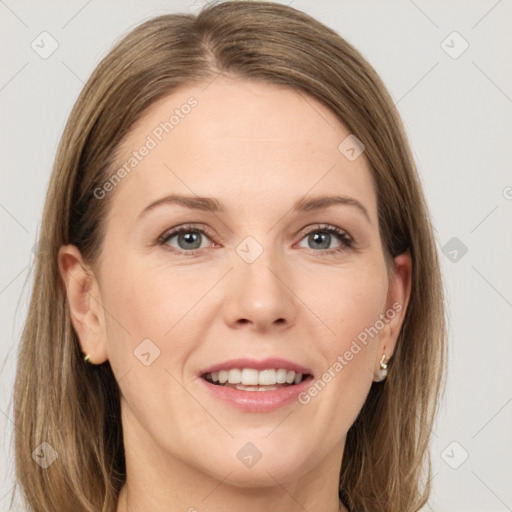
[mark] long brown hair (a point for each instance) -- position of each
(75, 408)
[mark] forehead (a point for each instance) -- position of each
(242, 141)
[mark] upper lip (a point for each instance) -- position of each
(272, 362)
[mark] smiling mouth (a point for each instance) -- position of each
(292, 380)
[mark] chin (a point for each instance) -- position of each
(250, 467)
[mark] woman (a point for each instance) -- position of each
(243, 306)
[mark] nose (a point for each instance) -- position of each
(260, 295)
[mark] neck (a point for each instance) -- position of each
(124, 504)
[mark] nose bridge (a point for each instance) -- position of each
(257, 290)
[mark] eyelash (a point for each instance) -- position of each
(344, 238)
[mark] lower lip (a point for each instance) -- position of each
(258, 401)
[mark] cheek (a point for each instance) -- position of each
(350, 305)
(143, 325)
(134, 313)
(348, 300)
(155, 310)
(149, 301)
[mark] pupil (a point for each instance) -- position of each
(190, 238)
(324, 238)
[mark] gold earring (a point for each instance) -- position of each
(87, 359)
(383, 370)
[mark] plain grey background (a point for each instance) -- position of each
(447, 65)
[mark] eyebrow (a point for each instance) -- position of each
(210, 204)
(317, 203)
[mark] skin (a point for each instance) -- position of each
(256, 148)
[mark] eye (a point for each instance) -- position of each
(189, 240)
(184, 240)
(322, 236)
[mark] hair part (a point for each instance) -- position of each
(386, 462)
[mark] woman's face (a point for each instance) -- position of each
(257, 277)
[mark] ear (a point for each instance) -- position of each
(85, 303)
(396, 306)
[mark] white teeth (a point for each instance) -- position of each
(281, 376)
(267, 378)
(235, 376)
(255, 388)
(244, 388)
(252, 377)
